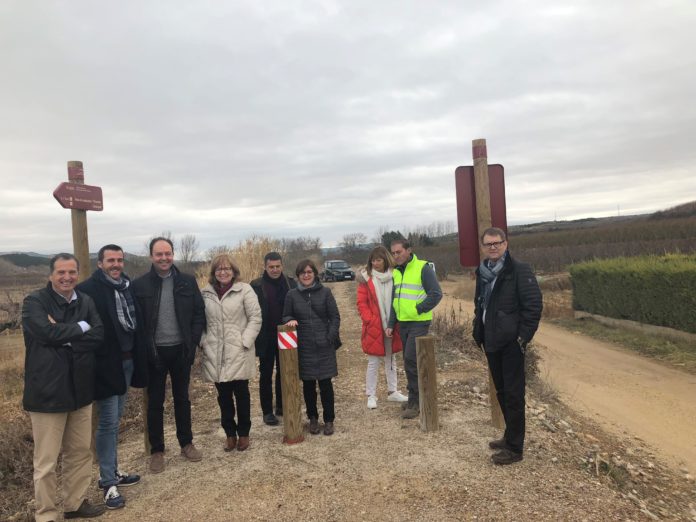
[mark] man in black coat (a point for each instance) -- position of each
(170, 325)
(271, 289)
(62, 330)
(119, 365)
(508, 309)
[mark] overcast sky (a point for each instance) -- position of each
(322, 118)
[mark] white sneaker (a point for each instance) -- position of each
(396, 396)
(372, 402)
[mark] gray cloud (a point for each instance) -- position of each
(323, 118)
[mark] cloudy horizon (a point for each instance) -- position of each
(325, 118)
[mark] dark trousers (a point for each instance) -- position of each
(409, 331)
(266, 363)
(240, 391)
(507, 370)
(309, 388)
(173, 363)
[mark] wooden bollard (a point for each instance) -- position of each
(290, 384)
(427, 383)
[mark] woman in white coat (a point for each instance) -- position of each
(233, 318)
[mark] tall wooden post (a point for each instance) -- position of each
(76, 174)
(290, 384)
(483, 218)
(427, 383)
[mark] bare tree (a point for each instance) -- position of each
(188, 249)
(352, 242)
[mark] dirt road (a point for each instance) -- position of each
(626, 393)
(376, 466)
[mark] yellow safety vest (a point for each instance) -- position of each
(409, 291)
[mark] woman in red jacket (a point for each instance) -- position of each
(374, 305)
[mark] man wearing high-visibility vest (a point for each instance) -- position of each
(416, 292)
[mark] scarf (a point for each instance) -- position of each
(220, 289)
(125, 305)
(384, 283)
(488, 274)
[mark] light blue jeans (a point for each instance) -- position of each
(106, 437)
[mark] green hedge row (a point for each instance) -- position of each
(657, 290)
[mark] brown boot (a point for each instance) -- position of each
(313, 425)
(190, 452)
(243, 443)
(328, 428)
(157, 463)
(231, 443)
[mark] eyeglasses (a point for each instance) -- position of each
(494, 244)
(307, 272)
(221, 270)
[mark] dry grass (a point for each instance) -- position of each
(248, 255)
(15, 433)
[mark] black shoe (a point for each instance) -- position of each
(86, 510)
(279, 412)
(270, 419)
(506, 456)
(498, 444)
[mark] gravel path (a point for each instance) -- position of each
(380, 467)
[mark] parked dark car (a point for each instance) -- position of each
(337, 270)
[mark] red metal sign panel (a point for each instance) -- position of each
(79, 197)
(467, 224)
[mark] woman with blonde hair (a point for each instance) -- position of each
(374, 302)
(233, 319)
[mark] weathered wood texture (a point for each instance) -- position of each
(79, 224)
(292, 393)
(483, 219)
(427, 383)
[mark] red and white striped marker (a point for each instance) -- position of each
(287, 340)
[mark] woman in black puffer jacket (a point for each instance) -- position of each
(311, 307)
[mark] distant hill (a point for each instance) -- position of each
(25, 260)
(685, 210)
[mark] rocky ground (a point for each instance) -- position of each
(380, 467)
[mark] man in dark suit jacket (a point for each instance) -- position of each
(119, 364)
(62, 330)
(271, 289)
(508, 309)
(170, 324)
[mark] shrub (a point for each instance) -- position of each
(649, 289)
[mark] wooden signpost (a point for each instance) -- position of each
(79, 198)
(480, 205)
(290, 384)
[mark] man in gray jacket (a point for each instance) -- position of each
(62, 329)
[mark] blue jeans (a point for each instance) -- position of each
(106, 437)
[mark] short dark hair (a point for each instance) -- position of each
(304, 264)
(272, 256)
(401, 241)
(63, 256)
(100, 255)
(160, 238)
(494, 231)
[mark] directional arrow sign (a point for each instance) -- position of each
(79, 197)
